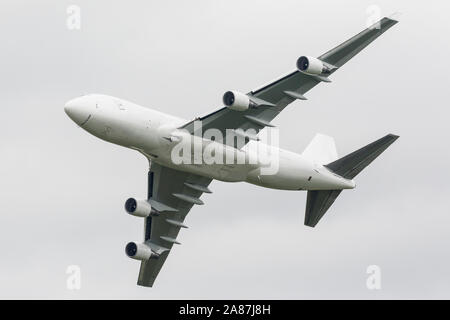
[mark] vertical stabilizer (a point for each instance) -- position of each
(321, 149)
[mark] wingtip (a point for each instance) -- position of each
(394, 17)
(394, 136)
(310, 224)
(144, 284)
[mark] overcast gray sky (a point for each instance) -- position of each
(62, 190)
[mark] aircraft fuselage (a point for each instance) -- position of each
(156, 134)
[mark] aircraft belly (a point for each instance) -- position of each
(223, 172)
(296, 173)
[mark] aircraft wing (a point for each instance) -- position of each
(172, 193)
(281, 92)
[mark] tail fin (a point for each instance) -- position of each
(319, 202)
(321, 149)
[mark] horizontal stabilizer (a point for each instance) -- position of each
(353, 163)
(319, 201)
(317, 204)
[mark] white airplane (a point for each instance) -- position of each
(174, 186)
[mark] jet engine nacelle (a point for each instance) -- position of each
(138, 208)
(139, 251)
(238, 101)
(312, 65)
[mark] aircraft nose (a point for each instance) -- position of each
(78, 110)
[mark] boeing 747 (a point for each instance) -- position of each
(185, 156)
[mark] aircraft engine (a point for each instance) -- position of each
(312, 65)
(238, 101)
(139, 251)
(138, 208)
